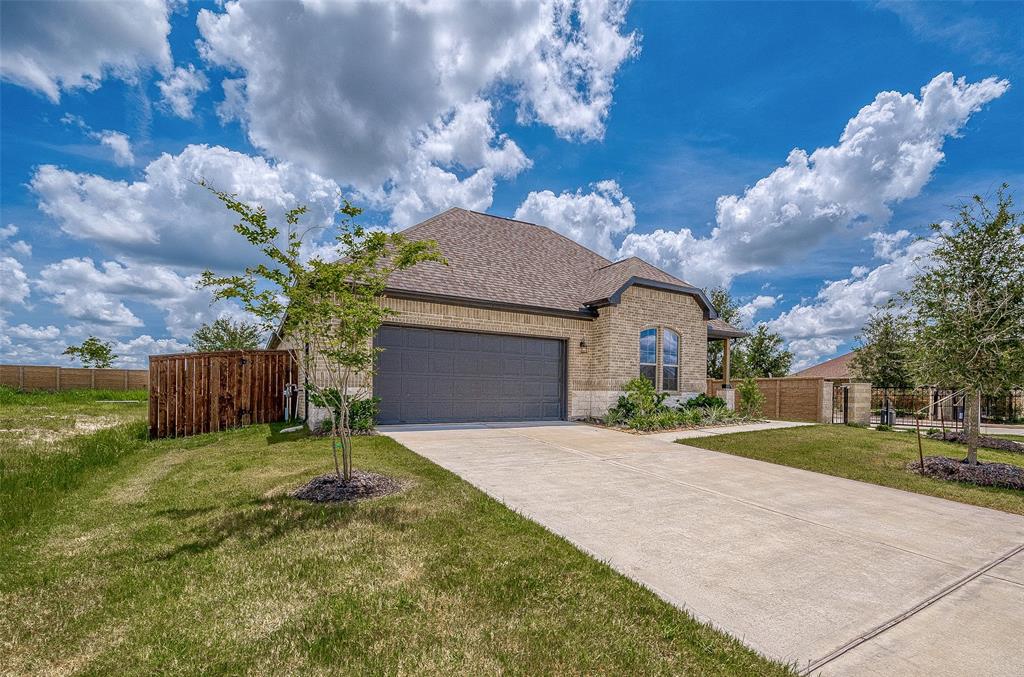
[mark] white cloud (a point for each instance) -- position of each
(119, 144)
(166, 218)
(380, 108)
(9, 244)
(13, 283)
(180, 89)
(747, 311)
(816, 328)
(887, 245)
(429, 184)
(95, 295)
(135, 353)
(886, 153)
(29, 333)
(592, 219)
(58, 46)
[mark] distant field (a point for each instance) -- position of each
(32, 422)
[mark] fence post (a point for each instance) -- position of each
(57, 378)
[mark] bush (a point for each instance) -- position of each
(751, 399)
(883, 428)
(362, 413)
(640, 400)
(702, 401)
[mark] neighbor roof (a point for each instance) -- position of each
(837, 367)
(500, 261)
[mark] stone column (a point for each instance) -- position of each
(859, 402)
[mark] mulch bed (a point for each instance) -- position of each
(982, 474)
(983, 441)
(598, 423)
(363, 485)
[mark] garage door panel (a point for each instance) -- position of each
(432, 375)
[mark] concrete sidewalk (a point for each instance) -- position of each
(838, 576)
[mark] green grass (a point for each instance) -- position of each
(868, 456)
(187, 556)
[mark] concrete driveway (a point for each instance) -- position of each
(839, 577)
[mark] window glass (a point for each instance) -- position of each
(669, 360)
(649, 354)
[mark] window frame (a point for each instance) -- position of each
(646, 331)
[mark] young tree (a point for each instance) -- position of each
(967, 306)
(223, 334)
(333, 307)
(882, 358)
(764, 355)
(728, 311)
(93, 353)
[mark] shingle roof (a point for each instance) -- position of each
(719, 328)
(503, 261)
(837, 367)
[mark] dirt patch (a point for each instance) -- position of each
(982, 474)
(983, 441)
(362, 485)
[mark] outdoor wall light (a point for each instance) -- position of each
(583, 346)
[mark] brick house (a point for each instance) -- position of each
(526, 324)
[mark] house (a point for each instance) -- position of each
(526, 324)
(836, 370)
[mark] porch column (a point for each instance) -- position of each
(725, 364)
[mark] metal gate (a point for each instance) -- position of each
(840, 403)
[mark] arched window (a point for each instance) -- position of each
(669, 360)
(649, 355)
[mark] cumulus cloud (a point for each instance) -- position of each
(886, 153)
(748, 310)
(10, 245)
(95, 294)
(593, 219)
(120, 146)
(180, 89)
(14, 288)
(24, 331)
(58, 46)
(166, 218)
(378, 109)
(816, 328)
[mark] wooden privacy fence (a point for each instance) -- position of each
(791, 398)
(34, 377)
(195, 393)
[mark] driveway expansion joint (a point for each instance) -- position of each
(899, 618)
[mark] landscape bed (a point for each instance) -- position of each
(885, 458)
(188, 556)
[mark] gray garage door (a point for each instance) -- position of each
(438, 376)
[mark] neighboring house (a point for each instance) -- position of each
(526, 324)
(836, 370)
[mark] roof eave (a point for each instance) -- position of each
(726, 333)
(412, 295)
(702, 299)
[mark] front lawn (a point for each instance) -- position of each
(868, 456)
(187, 557)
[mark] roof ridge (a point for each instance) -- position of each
(536, 225)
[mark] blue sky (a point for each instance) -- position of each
(619, 125)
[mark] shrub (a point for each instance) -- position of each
(703, 400)
(751, 399)
(716, 414)
(639, 400)
(883, 428)
(362, 415)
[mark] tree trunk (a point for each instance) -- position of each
(972, 424)
(346, 441)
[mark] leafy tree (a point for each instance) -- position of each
(728, 311)
(764, 354)
(93, 353)
(332, 307)
(883, 356)
(223, 334)
(967, 306)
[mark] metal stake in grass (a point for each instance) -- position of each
(920, 453)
